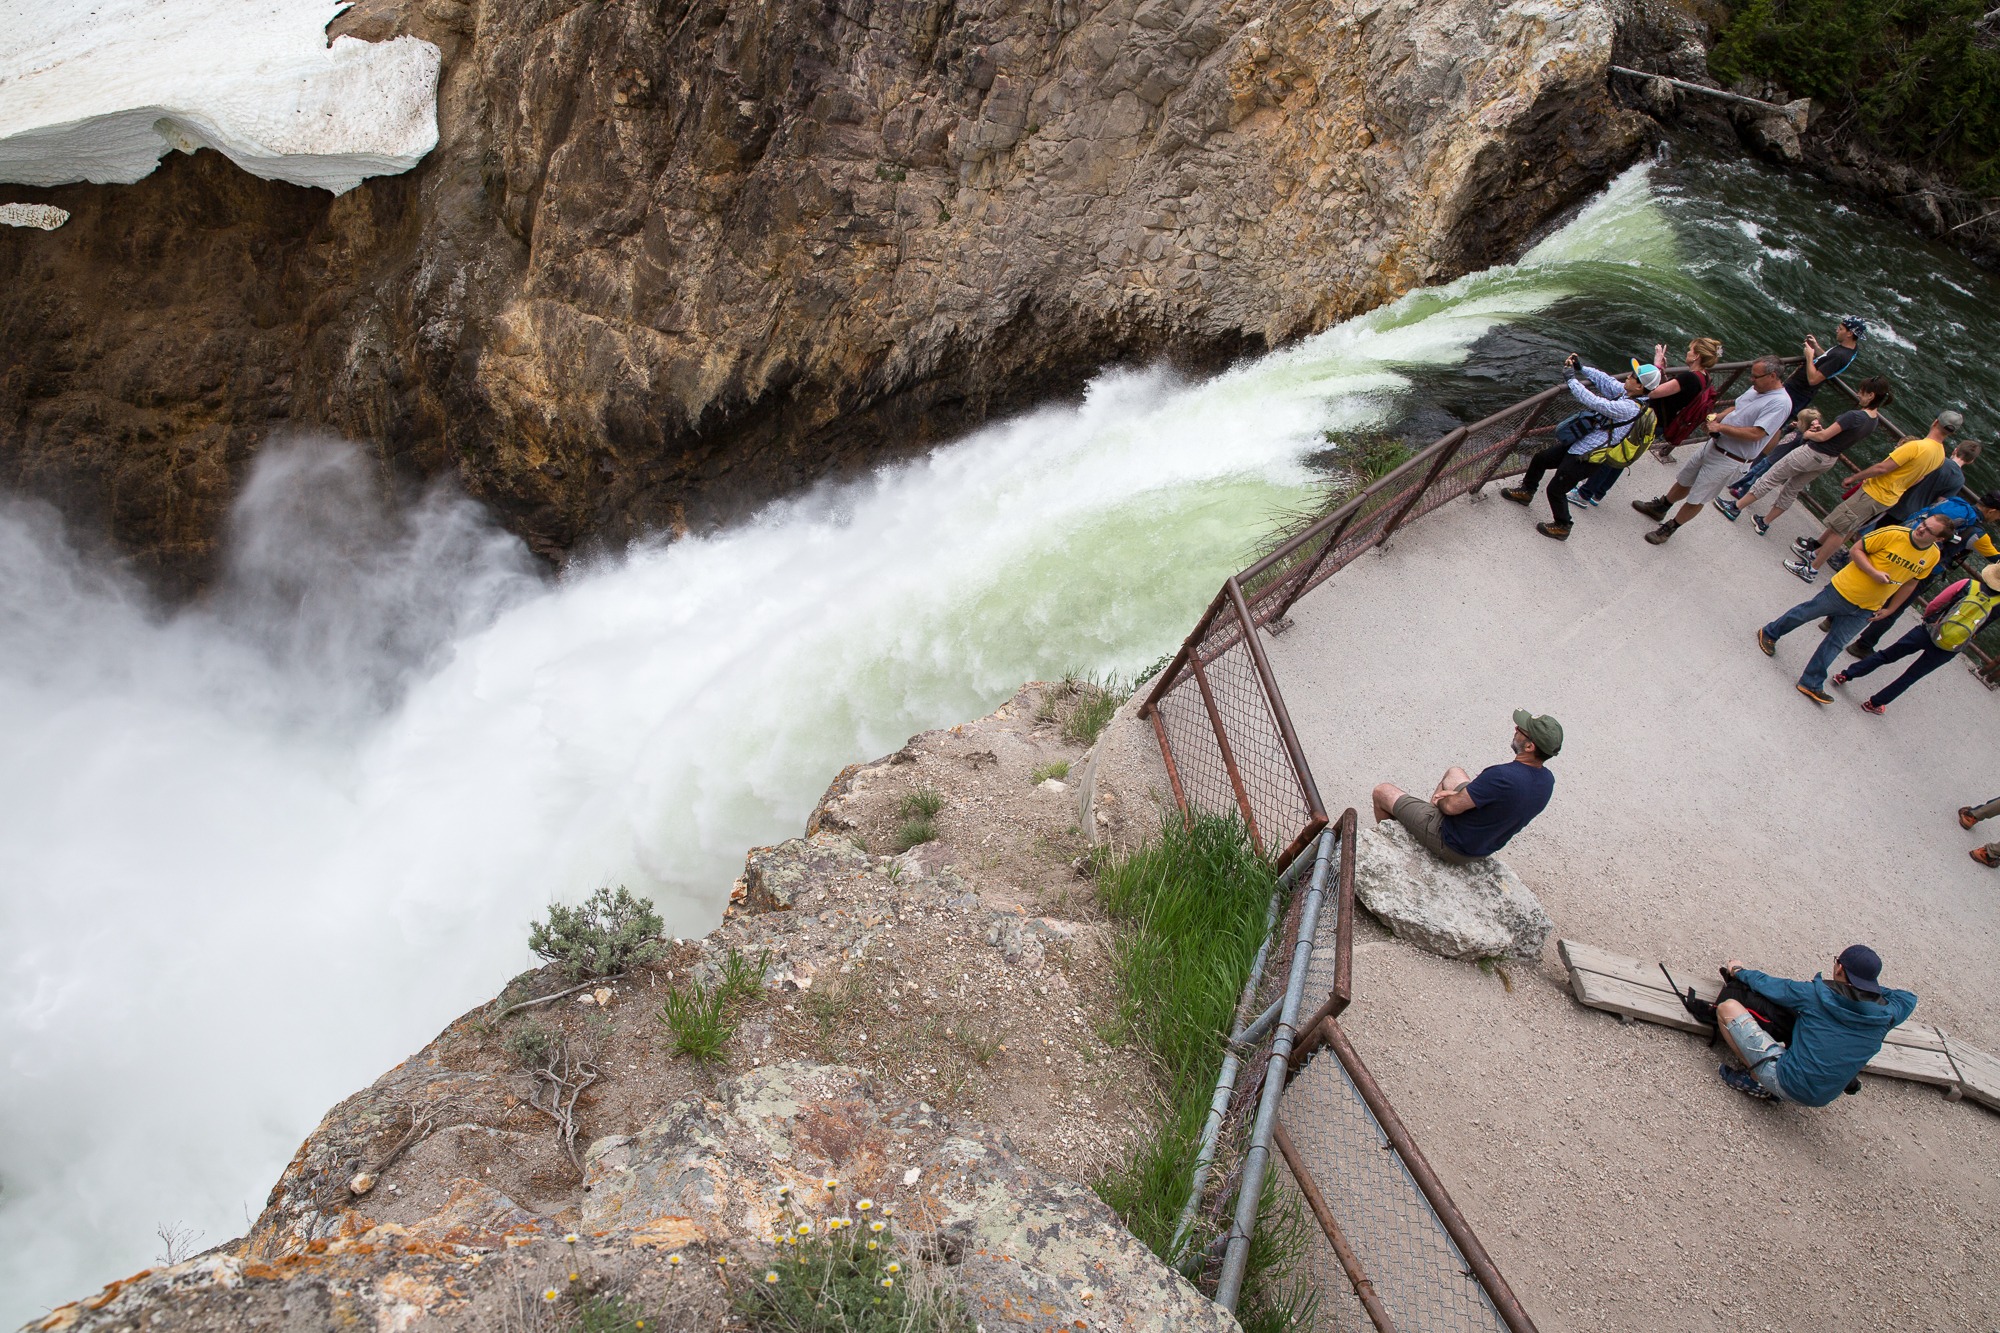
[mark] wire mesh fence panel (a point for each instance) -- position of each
(1337, 1309)
(1419, 1274)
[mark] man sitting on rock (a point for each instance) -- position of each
(1840, 1024)
(1467, 818)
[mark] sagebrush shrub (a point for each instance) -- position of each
(606, 934)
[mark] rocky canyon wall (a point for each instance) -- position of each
(672, 258)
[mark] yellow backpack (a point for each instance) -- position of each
(1955, 628)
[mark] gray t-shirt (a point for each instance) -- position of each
(1768, 412)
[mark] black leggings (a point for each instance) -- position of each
(1570, 469)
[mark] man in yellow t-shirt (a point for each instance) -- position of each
(1884, 570)
(1882, 484)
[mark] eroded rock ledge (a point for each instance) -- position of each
(937, 1030)
(667, 261)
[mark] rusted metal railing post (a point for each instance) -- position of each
(1350, 1262)
(1447, 450)
(1393, 1129)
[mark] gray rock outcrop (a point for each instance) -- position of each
(1480, 910)
(1022, 1249)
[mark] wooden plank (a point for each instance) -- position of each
(1647, 1003)
(1918, 1066)
(1917, 1036)
(1634, 971)
(1978, 1072)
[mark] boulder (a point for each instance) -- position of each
(1480, 910)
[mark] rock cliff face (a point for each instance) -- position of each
(669, 259)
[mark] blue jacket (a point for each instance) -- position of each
(1836, 1033)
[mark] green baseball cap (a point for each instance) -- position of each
(1544, 731)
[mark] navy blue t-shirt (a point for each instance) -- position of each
(1504, 798)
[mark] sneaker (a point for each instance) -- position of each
(1817, 696)
(1985, 858)
(1520, 495)
(1870, 706)
(1966, 819)
(1763, 528)
(1655, 508)
(1578, 499)
(1767, 643)
(1658, 536)
(1558, 531)
(1727, 510)
(1804, 569)
(1840, 679)
(1744, 1083)
(1809, 545)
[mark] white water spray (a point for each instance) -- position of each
(256, 851)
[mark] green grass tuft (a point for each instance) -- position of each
(1058, 770)
(1191, 910)
(831, 1282)
(923, 803)
(699, 1021)
(915, 832)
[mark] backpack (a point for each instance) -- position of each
(1636, 440)
(1693, 414)
(1955, 628)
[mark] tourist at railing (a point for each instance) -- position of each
(1735, 437)
(1612, 412)
(1968, 815)
(1949, 622)
(1681, 403)
(1790, 438)
(1467, 817)
(1973, 535)
(1872, 491)
(1823, 364)
(1789, 476)
(1838, 1025)
(1885, 570)
(1947, 480)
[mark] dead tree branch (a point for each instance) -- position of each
(558, 1084)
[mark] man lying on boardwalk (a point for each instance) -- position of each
(1466, 817)
(1838, 1028)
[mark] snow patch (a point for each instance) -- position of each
(46, 216)
(100, 90)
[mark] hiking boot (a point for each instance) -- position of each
(1859, 650)
(1727, 510)
(1559, 531)
(1658, 536)
(1825, 624)
(1767, 643)
(1744, 1083)
(1840, 679)
(1763, 528)
(1870, 706)
(1655, 508)
(1985, 858)
(1817, 696)
(1520, 495)
(1804, 569)
(1966, 819)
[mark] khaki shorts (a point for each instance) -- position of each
(1847, 517)
(1426, 824)
(1708, 472)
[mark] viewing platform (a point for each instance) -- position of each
(1704, 810)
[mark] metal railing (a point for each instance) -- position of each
(1227, 739)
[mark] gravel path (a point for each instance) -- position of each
(1703, 810)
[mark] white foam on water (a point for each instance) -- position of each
(257, 850)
